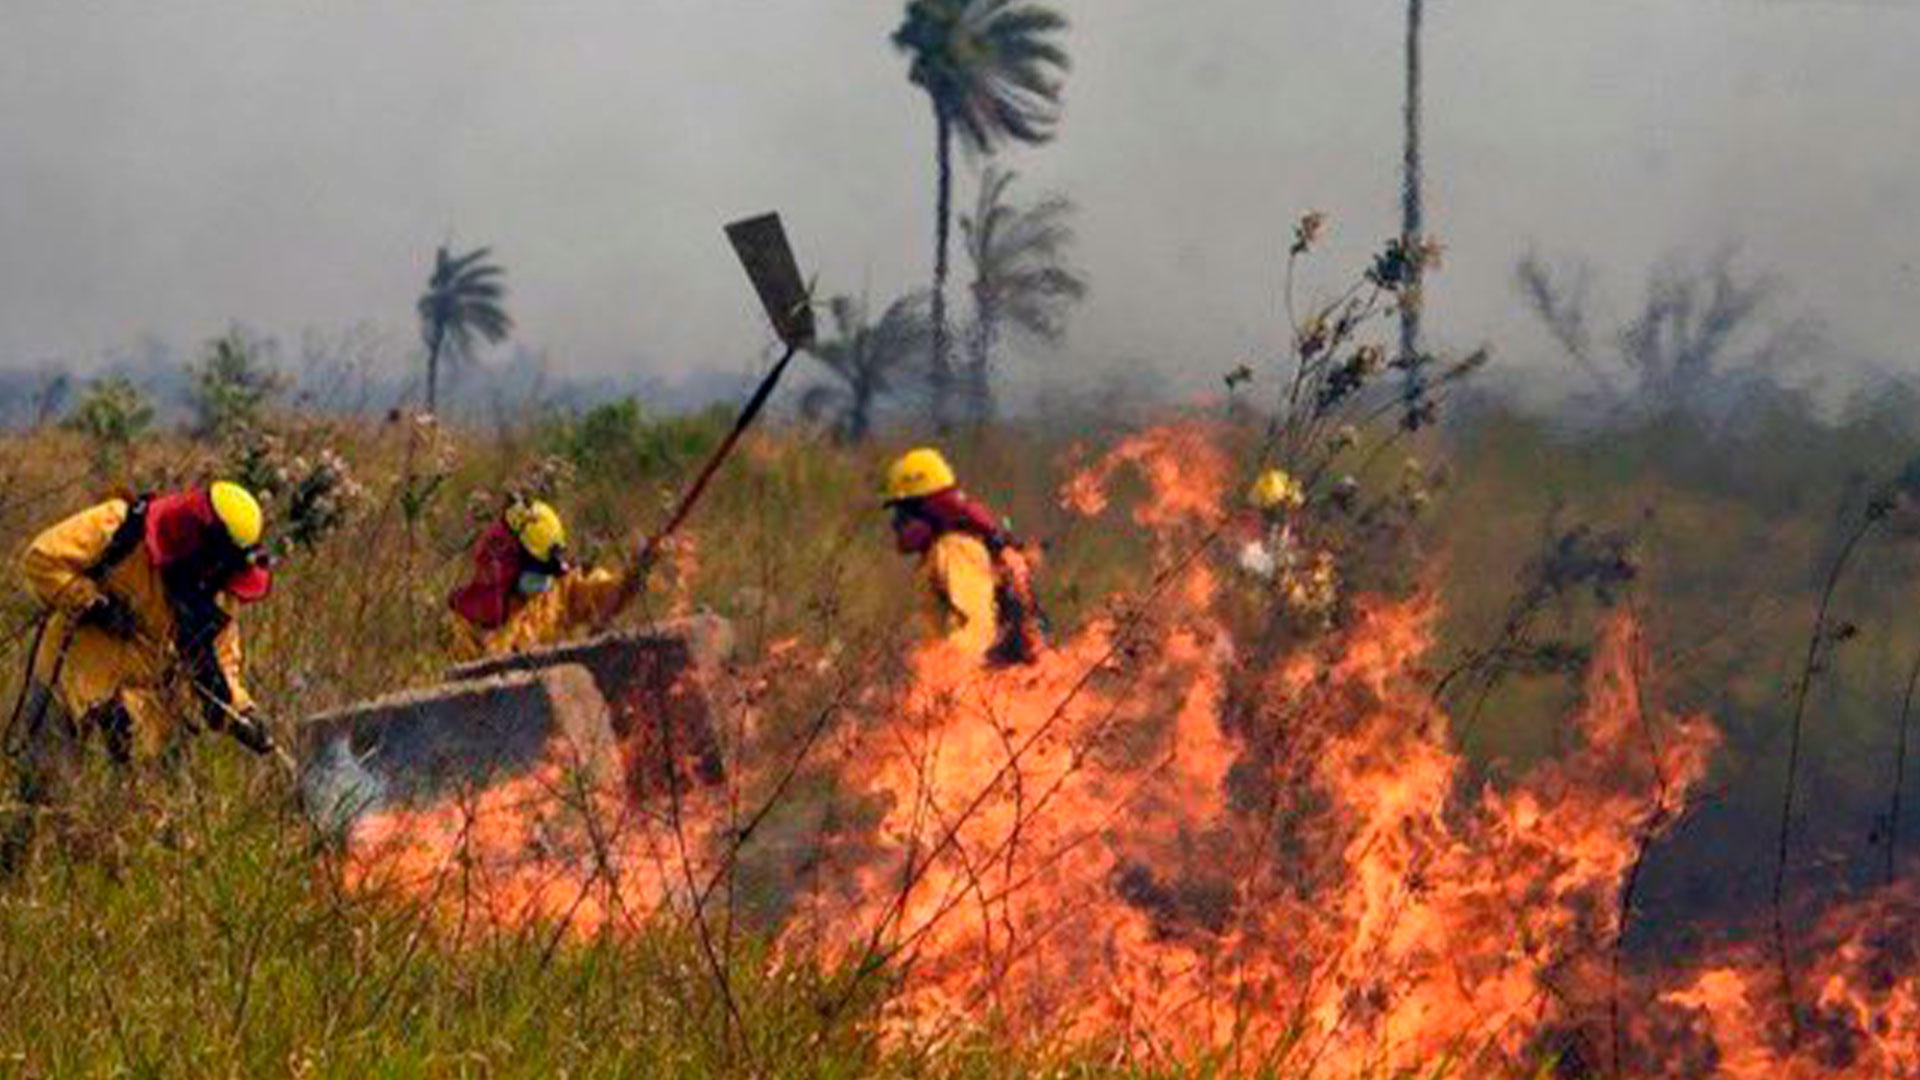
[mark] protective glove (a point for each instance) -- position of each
(111, 614)
(250, 730)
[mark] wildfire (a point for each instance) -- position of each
(1135, 840)
(1146, 842)
(1859, 1001)
(550, 848)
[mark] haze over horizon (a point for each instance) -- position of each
(171, 169)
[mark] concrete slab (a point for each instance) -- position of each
(662, 687)
(423, 745)
(639, 708)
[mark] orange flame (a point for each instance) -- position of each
(551, 847)
(1858, 997)
(1147, 840)
(1135, 840)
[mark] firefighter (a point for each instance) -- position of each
(1273, 550)
(979, 576)
(1268, 544)
(138, 642)
(524, 592)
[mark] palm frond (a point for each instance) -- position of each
(463, 305)
(490, 322)
(457, 265)
(869, 360)
(1022, 281)
(991, 67)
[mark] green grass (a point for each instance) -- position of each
(199, 935)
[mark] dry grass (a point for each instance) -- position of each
(188, 925)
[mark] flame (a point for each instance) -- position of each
(1857, 977)
(1184, 468)
(1149, 840)
(553, 847)
(1137, 841)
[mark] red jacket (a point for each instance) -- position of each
(180, 525)
(943, 512)
(487, 598)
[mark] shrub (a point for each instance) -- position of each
(113, 413)
(311, 494)
(232, 386)
(617, 440)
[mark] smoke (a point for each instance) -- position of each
(170, 171)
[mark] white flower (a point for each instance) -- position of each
(1257, 560)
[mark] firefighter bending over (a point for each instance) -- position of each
(139, 641)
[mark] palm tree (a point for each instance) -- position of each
(462, 303)
(991, 71)
(1021, 281)
(870, 360)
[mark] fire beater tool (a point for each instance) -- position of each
(761, 244)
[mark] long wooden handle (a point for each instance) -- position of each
(651, 549)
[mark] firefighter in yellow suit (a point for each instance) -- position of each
(139, 641)
(524, 593)
(959, 574)
(976, 574)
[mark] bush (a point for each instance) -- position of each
(232, 386)
(113, 413)
(309, 494)
(617, 440)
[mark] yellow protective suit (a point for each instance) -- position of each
(960, 575)
(144, 672)
(578, 600)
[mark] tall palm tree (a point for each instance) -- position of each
(1412, 210)
(462, 305)
(991, 69)
(1021, 281)
(870, 360)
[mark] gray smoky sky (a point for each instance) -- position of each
(169, 167)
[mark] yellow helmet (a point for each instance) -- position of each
(538, 528)
(239, 511)
(1275, 490)
(917, 474)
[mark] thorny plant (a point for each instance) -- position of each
(1823, 641)
(428, 464)
(1336, 418)
(1571, 562)
(310, 493)
(1331, 396)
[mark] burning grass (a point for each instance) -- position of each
(1167, 848)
